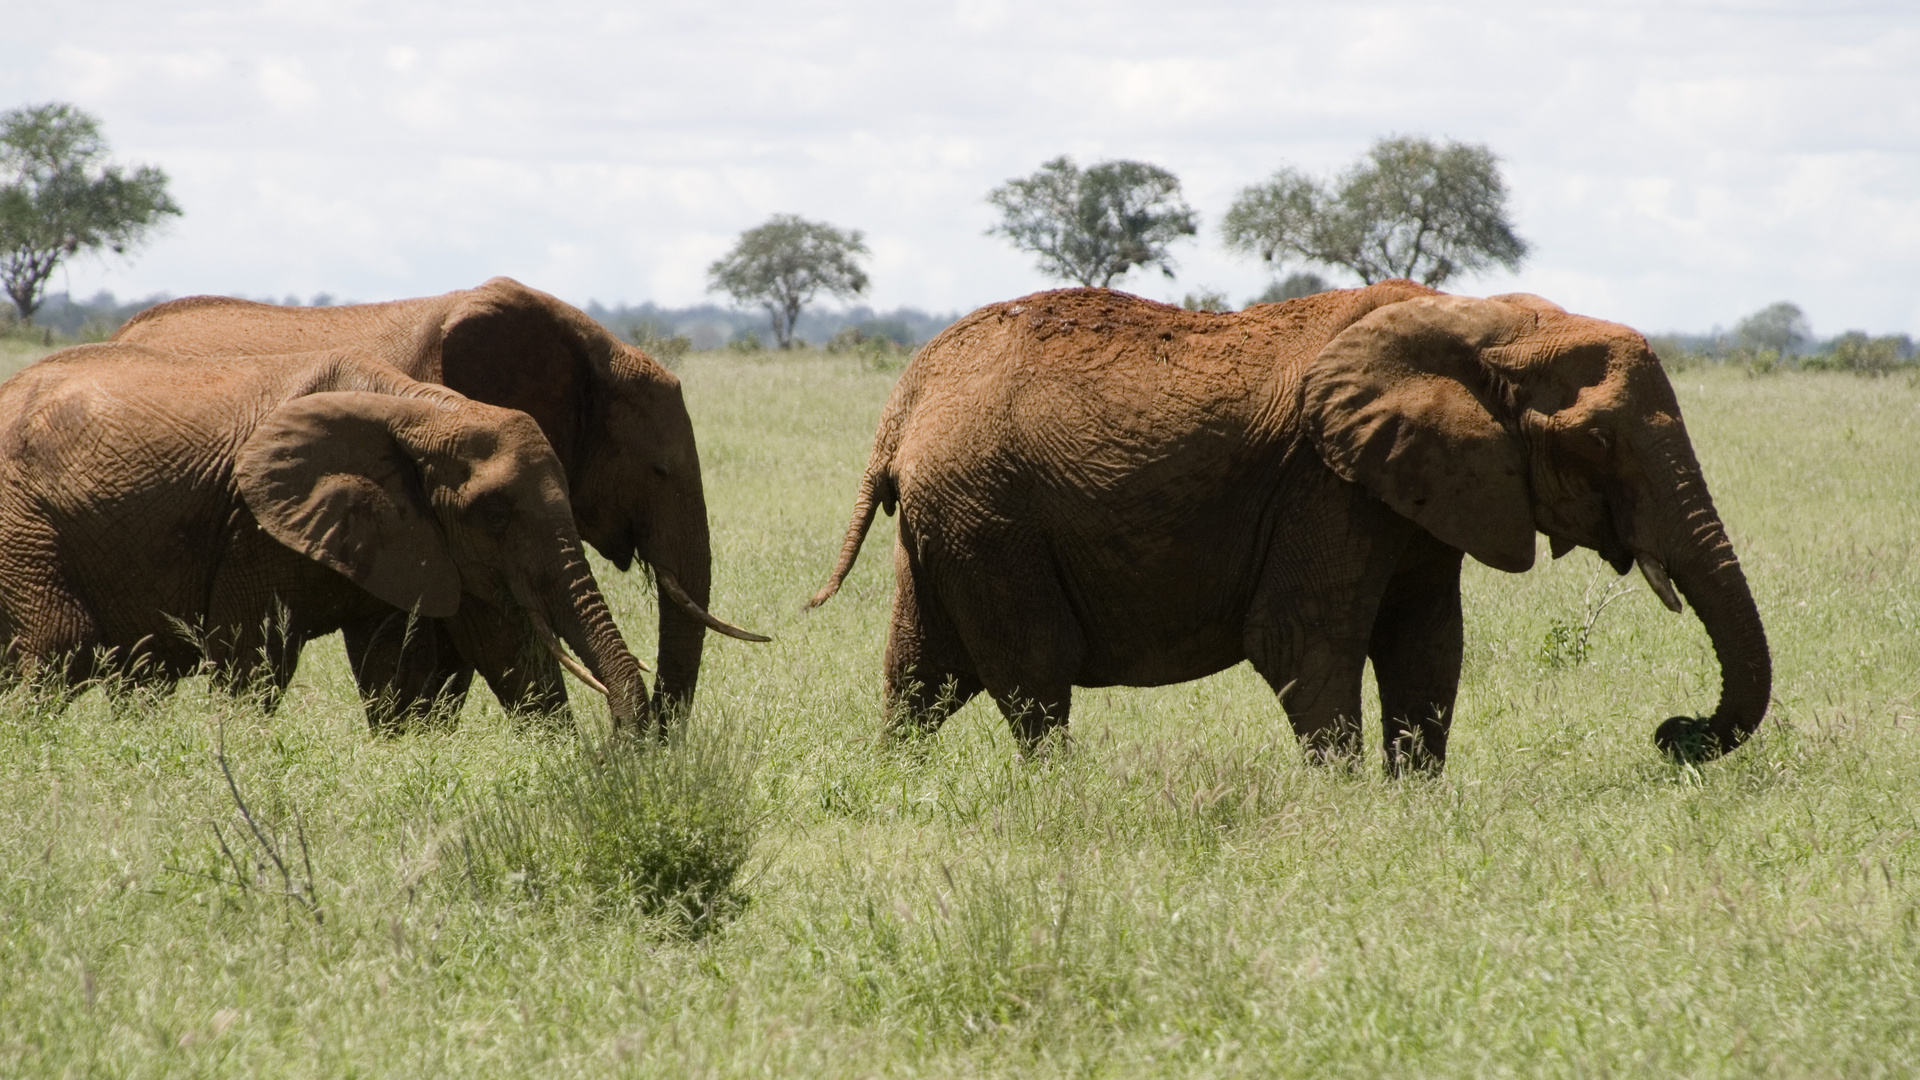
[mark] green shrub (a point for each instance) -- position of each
(881, 352)
(660, 342)
(1855, 352)
(627, 824)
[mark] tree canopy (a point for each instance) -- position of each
(782, 265)
(1094, 226)
(60, 196)
(1411, 208)
(1780, 326)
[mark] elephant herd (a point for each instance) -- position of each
(1093, 490)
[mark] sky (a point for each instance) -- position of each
(1675, 165)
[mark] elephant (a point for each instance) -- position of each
(615, 418)
(1096, 490)
(159, 515)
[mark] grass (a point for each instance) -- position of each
(1179, 897)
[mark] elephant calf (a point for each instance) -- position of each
(158, 514)
(1097, 490)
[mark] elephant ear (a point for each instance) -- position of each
(507, 345)
(325, 475)
(1401, 404)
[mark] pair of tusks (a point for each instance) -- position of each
(668, 585)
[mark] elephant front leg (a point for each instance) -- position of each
(505, 650)
(1416, 650)
(1311, 621)
(406, 669)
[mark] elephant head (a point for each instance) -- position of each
(619, 425)
(422, 499)
(1486, 420)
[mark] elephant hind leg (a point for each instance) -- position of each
(929, 675)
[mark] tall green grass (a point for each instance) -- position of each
(1180, 896)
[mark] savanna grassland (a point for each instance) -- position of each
(1180, 896)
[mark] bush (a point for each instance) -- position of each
(1854, 351)
(1206, 300)
(660, 342)
(627, 825)
(881, 352)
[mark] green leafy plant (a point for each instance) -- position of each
(59, 196)
(1569, 643)
(660, 342)
(1094, 225)
(782, 265)
(1411, 208)
(662, 829)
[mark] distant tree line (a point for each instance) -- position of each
(1779, 337)
(711, 326)
(93, 319)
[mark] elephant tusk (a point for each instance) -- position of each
(671, 586)
(578, 669)
(1658, 581)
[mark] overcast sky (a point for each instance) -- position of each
(1675, 165)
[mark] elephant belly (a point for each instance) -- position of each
(1166, 610)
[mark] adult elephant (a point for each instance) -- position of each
(157, 514)
(1098, 490)
(615, 418)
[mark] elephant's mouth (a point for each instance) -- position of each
(617, 547)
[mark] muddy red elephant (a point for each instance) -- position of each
(1098, 490)
(616, 421)
(159, 514)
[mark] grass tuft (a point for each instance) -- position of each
(623, 824)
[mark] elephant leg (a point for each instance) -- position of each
(259, 660)
(52, 636)
(1416, 650)
(1020, 632)
(504, 649)
(406, 669)
(928, 673)
(1311, 620)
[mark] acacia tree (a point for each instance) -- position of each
(1096, 225)
(782, 265)
(1780, 326)
(1411, 208)
(59, 196)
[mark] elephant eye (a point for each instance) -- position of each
(659, 469)
(1601, 437)
(493, 513)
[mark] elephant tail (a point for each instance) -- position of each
(876, 489)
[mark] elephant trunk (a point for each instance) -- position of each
(686, 567)
(1703, 565)
(586, 625)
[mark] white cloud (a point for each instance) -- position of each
(1675, 165)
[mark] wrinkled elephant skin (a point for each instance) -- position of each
(615, 418)
(158, 513)
(1097, 490)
